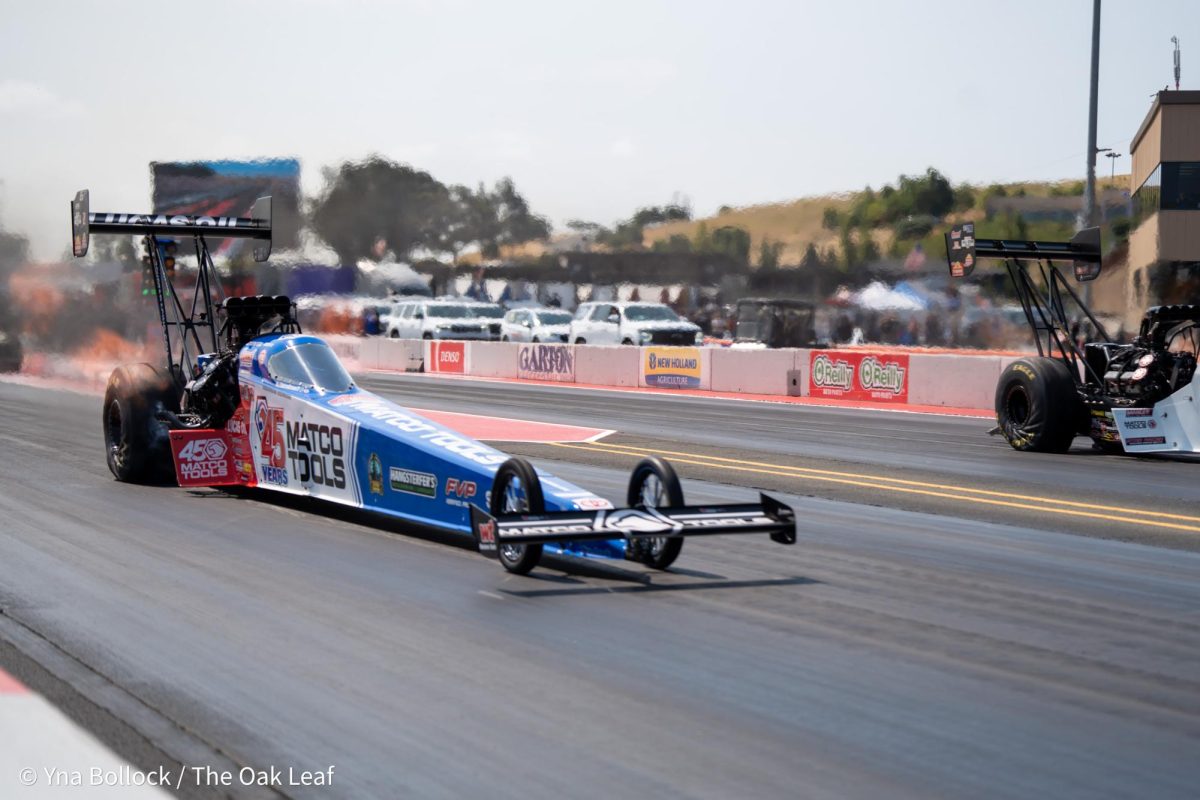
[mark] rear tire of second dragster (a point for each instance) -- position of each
(136, 443)
(653, 484)
(517, 490)
(1037, 405)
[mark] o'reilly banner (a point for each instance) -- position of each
(858, 376)
(546, 362)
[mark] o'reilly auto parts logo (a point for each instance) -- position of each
(859, 376)
(828, 373)
(203, 459)
(410, 481)
(875, 375)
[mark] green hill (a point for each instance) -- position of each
(825, 222)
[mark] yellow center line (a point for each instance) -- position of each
(909, 487)
(903, 482)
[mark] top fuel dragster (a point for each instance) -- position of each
(247, 399)
(1134, 398)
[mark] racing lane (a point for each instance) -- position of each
(889, 653)
(898, 441)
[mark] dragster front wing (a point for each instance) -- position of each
(767, 516)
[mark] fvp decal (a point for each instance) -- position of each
(458, 492)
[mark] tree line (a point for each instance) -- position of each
(378, 202)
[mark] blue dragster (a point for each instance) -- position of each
(262, 405)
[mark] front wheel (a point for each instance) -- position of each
(654, 484)
(517, 490)
(581, 341)
(1037, 405)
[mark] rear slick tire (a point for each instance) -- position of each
(137, 444)
(517, 490)
(654, 484)
(1037, 405)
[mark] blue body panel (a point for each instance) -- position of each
(356, 448)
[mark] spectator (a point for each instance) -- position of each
(934, 331)
(478, 288)
(844, 329)
(371, 322)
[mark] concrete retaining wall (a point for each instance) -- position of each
(754, 371)
(494, 359)
(954, 381)
(607, 366)
(949, 380)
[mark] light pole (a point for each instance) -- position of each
(1089, 189)
(1112, 157)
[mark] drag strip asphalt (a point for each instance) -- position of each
(914, 648)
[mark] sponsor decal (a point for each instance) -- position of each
(448, 357)
(874, 374)
(412, 482)
(375, 474)
(859, 376)
(1140, 424)
(245, 361)
(1137, 440)
(546, 362)
(1139, 412)
(173, 220)
(203, 459)
(316, 453)
(592, 504)
(960, 247)
(672, 367)
(631, 523)
(1025, 370)
(830, 374)
(382, 411)
(268, 426)
(237, 424)
(487, 532)
(458, 492)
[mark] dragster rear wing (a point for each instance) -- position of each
(84, 223)
(767, 516)
(963, 249)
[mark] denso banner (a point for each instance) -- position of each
(546, 362)
(447, 357)
(858, 376)
(672, 367)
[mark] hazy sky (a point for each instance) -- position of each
(593, 108)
